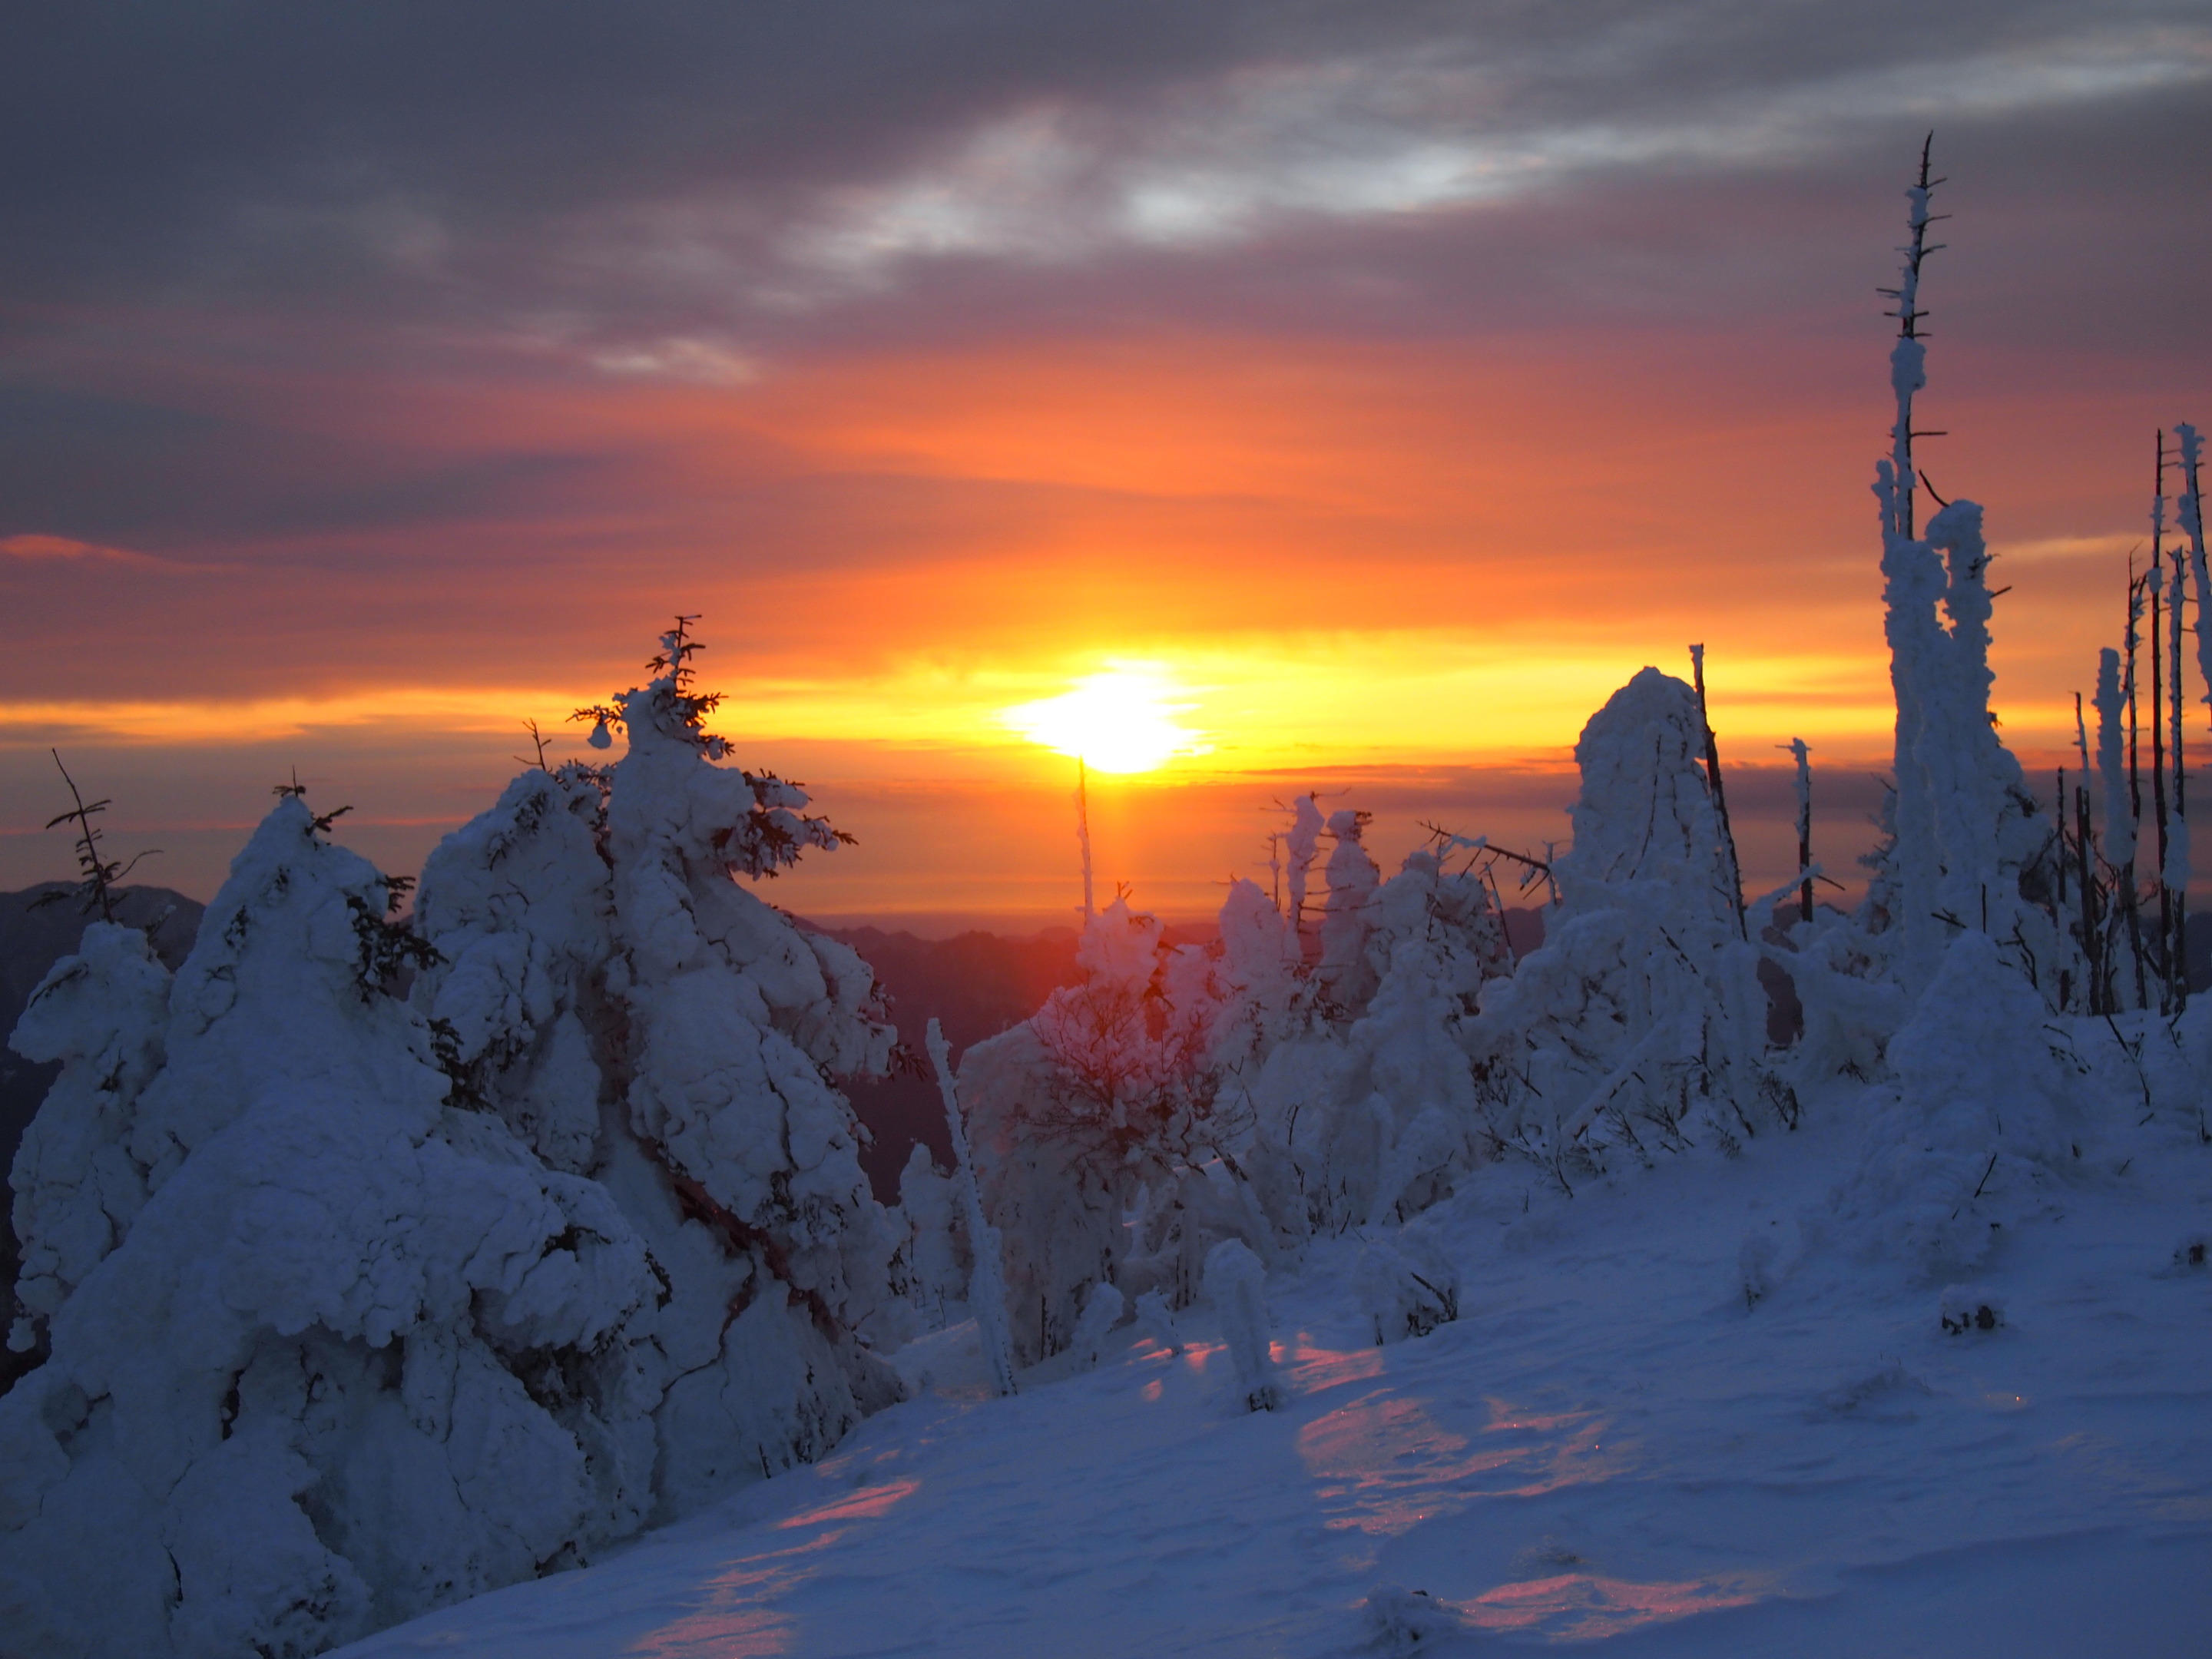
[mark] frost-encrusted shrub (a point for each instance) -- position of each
(1407, 1285)
(1639, 1024)
(932, 1265)
(1106, 1099)
(1849, 1006)
(1102, 1312)
(1236, 1284)
(356, 1354)
(1370, 1121)
(1347, 976)
(1155, 1321)
(1980, 1119)
(1251, 993)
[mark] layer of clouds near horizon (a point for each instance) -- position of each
(389, 359)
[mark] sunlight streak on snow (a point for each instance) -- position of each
(1582, 1607)
(869, 1504)
(1383, 1465)
(734, 1619)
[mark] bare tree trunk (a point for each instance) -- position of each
(1083, 835)
(2156, 582)
(2131, 911)
(2100, 998)
(1720, 796)
(1804, 825)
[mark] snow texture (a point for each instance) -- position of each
(1979, 1126)
(1964, 1308)
(1408, 1284)
(1602, 1454)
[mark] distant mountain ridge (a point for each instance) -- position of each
(977, 984)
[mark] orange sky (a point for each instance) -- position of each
(1386, 490)
(1336, 556)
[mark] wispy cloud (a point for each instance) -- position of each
(1223, 162)
(45, 549)
(703, 362)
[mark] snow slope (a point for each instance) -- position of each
(1609, 1448)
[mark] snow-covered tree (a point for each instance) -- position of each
(613, 992)
(1346, 975)
(1108, 1097)
(1236, 1283)
(1969, 843)
(1371, 1120)
(347, 1361)
(1980, 1122)
(360, 1305)
(1639, 1024)
(933, 1263)
(101, 1013)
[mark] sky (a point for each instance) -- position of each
(1361, 392)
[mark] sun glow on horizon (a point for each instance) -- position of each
(1122, 720)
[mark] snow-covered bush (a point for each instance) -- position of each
(932, 1265)
(1979, 1121)
(1106, 1100)
(1348, 977)
(1236, 1284)
(1371, 1120)
(1639, 1024)
(1155, 1321)
(1407, 1285)
(1102, 1312)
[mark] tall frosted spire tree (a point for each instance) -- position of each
(1965, 825)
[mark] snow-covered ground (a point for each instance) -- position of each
(1608, 1447)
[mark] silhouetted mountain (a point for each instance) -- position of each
(976, 984)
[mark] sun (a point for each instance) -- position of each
(1122, 720)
